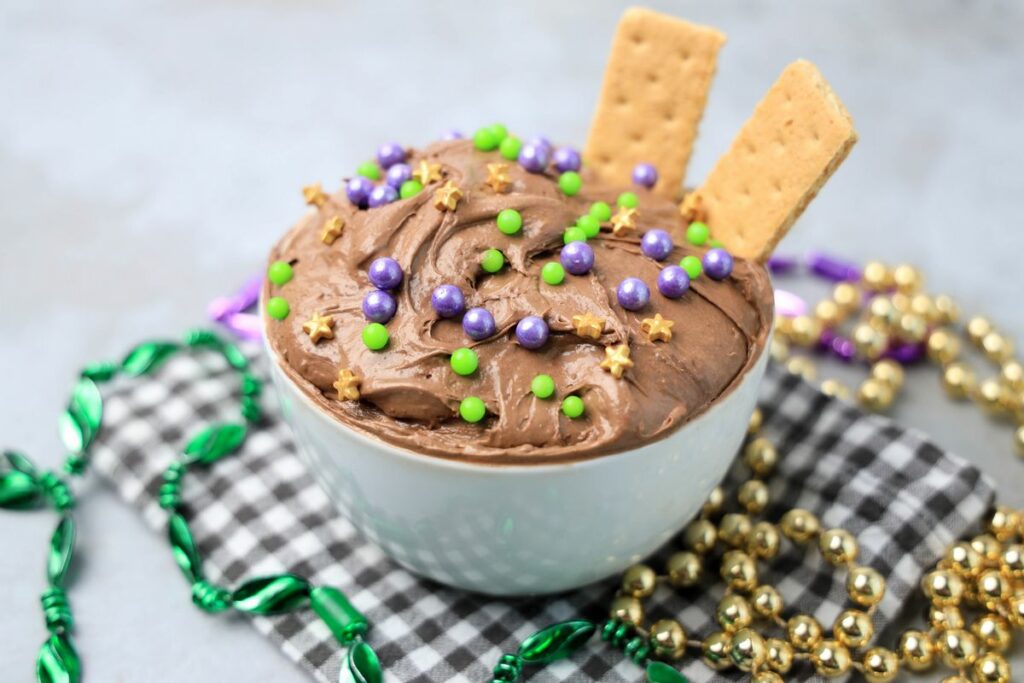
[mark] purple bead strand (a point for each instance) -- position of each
(832, 268)
(225, 306)
(905, 354)
(782, 265)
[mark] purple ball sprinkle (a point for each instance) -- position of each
(397, 175)
(382, 195)
(633, 294)
(645, 175)
(542, 141)
(385, 273)
(448, 301)
(534, 158)
(577, 258)
(566, 159)
(532, 332)
(358, 190)
(389, 154)
(379, 306)
(452, 134)
(673, 282)
(478, 324)
(717, 263)
(656, 244)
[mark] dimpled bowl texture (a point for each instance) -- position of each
(519, 530)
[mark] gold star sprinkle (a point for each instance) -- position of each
(447, 197)
(332, 229)
(657, 328)
(497, 177)
(319, 327)
(588, 325)
(314, 195)
(347, 385)
(427, 173)
(692, 208)
(616, 360)
(623, 221)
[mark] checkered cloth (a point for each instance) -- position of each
(259, 512)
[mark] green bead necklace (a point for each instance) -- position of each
(22, 486)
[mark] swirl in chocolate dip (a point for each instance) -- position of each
(409, 395)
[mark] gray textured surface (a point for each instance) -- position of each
(151, 151)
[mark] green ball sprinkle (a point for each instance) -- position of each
(375, 336)
(279, 272)
(509, 147)
(572, 406)
(589, 225)
(472, 409)
(486, 139)
(464, 361)
(574, 234)
(716, 244)
(601, 211)
(509, 221)
(369, 169)
(492, 261)
(697, 233)
(499, 130)
(542, 386)
(692, 266)
(570, 183)
(278, 308)
(410, 188)
(552, 273)
(628, 200)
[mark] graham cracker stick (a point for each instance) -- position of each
(655, 88)
(796, 138)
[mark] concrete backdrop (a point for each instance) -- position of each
(151, 151)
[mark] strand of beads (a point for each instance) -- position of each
(23, 486)
(742, 541)
(985, 574)
(894, 323)
(976, 596)
(547, 645)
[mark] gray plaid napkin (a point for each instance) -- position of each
(259, 512)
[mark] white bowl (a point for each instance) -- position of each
(520, 529)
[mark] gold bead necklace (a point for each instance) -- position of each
(976, 592)
(899, 312)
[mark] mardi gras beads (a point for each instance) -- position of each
(980, 573)
(22, 485)
(893, 324)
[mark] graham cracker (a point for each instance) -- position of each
(796, 138)
(655, 88)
